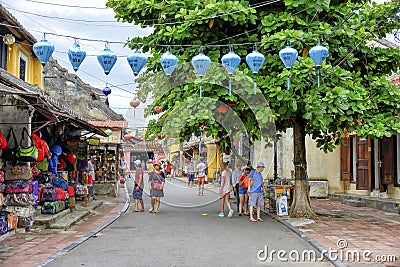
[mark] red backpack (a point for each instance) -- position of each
(42, 148)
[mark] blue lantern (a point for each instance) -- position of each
(76, 55)
(231, 61)
(106, 91)
(201, 63)
(169, 62)
(137, 61)
(107, 59)
(288, 56)
(318, 54)
(43, 50)
(255, 60)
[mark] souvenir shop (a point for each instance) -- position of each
(43, 168)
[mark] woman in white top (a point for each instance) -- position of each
(225, 190)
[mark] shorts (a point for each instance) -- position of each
(242, 190)
(256, 199)
(168, 173)
(191, 177)
(201, 178)
(137, 194)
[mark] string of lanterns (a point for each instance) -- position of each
(137, 60)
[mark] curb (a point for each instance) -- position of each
(311, 241)
(90, 234)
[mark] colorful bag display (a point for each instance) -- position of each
(50, 207)
(61, 183)
(35, 192)
(21, 211)
(25, 222)
(48, 193)
(3, 225)
(9, 153)
(61, 194)
(22, 199)
(19, 186)
(1, 176)
(3, 141)
(12, 219)
(42, 147)
(27, 153)
(17, 172)
(43, 165)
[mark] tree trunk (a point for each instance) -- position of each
(301, 206)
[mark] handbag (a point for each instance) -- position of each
(157, 185)
(3, 141)
(17, 172)
(21, 199)
(9, 153)
(27, 153)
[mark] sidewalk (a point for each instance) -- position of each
(352, 231)
(36, 246)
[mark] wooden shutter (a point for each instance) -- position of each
(387, 150)
(345, 163)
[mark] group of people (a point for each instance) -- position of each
(249, 189)
(247, 184)
(200, 173)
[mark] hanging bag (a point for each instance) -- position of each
(157, 184)
(27, 153)
(17, 172)
(9, 153)
(3, 141)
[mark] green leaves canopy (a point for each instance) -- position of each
(355, 95)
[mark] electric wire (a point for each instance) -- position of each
(63, 5)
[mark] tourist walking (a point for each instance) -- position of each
(156, 187)
(225, 190)
(168, 169)
(243, 196)
(190, 171)
(91, 177)
(138, 186)
(256, 190)
(235, 183)
(201, 176)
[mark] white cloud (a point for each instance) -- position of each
(90, 71)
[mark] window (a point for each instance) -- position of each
(22, 66)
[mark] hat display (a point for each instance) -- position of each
(260, 164)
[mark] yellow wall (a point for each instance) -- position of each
(213, 159)
(34, 68)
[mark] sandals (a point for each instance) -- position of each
(151, 210)
(141, 210)
(260, 220)
(253, 220)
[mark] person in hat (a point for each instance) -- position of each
(138, 186)
(156, 187)
(256, 191)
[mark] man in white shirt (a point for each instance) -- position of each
(201, 176)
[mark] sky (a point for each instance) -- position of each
(37, 16)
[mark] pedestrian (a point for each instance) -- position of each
(150, 167)
(256, 190)
(235, 182)
(156, 187)
(91, 177)
(243, 196)
(225, 190)
(174, 167)
(190, 171)
(168, 167)
(201, 176)
(122, 166)
(138, 186)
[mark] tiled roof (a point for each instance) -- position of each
(110, 124)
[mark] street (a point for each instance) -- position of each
(188, 232)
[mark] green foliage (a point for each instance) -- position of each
(354, 94)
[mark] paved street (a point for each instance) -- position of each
(183, 235)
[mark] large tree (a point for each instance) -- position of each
(354, 95)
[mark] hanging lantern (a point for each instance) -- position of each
(76, 55)
(128, 137)
(106, 91)
(43, 50)
(134, 103)
(288, 55)
(158, 109)
(108, 132)
(107, 59)
(137, 61)
(255, 60)
(201, 63)
(231, 61)
(169, 62)
(318, 54)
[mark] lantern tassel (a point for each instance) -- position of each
(288, 83)
(230, 85)
(255, 84)
(75, 84)
(319, 74)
